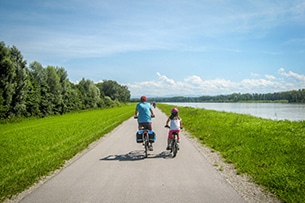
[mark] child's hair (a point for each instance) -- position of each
(173, 115)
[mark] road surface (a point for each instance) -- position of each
(115, 171)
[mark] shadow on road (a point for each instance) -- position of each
(135, 156)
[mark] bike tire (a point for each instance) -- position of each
(146, 145)
(175, 148)
(172, 146)
(145, 149)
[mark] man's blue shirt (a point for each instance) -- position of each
(144, 114)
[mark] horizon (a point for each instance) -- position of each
(168, 97)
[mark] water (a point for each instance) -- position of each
(274, 111)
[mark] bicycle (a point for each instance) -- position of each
(174, 146)
(145, 136)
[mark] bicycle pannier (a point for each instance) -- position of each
(152, 136)
(139, 137)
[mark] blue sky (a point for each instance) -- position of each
(162, 47)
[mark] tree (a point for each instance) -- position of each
(40, 76)
(18, 106)
(74, 98)
(90, 94)
(54, 90)
(7, 75)
(114, 90)
(33, 97)
(65, 89)
(13, 82)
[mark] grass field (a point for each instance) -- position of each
(33, 148)
(271, 152)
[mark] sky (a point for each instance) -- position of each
(162, 48)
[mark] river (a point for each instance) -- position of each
(274, 111)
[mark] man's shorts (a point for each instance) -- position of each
(146, 125)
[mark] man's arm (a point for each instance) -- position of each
(152, 113)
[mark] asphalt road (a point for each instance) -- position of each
(115, 171)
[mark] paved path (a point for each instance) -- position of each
(115, 171)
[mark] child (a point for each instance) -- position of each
(175, 125)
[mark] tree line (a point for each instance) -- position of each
(293, 96)
(35, 90)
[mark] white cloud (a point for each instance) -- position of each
(195, 86)
(270, 77)
(165, 79)
(291, 74)
(196, 80)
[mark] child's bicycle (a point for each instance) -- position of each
(174, 146)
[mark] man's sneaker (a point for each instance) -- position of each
(168, 148)
(150, 148)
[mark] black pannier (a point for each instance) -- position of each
(151, 134)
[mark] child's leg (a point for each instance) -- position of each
(169, 139)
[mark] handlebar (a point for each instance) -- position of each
(152, 116)
(167, 126)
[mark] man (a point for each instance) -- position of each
(144, 113)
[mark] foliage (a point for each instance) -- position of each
(271, 152)
(32, 148)
(113, 90)
(38, 91)
(13, 82)
(294, 96)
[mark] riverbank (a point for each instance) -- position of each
(273, 111)
(270, 152)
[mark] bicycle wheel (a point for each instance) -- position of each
(146, 143)
(146, 149)
(175, 148)
(171, 145)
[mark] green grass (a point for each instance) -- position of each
(32, 148)
(271, 152)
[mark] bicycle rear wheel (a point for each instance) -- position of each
(175, 150)
(174, 147)
(146, 149)
(146, 145)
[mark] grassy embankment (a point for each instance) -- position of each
(32, 148)
(271, 152)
